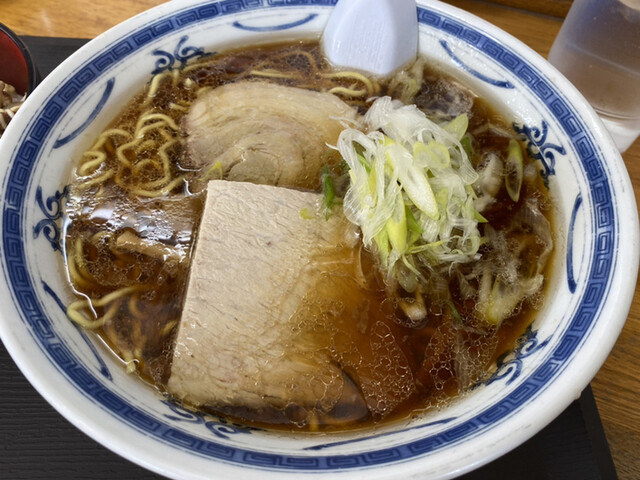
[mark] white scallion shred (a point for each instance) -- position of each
(405, 159)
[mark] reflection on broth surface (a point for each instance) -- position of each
(362, 340)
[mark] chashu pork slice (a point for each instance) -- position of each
(240, 341)
(265, 133)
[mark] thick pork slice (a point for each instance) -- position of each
(240, 342)
(265, 133)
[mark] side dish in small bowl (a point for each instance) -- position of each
(18, 75)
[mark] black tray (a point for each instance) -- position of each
(37, 443)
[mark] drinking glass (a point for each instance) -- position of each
(598, 50)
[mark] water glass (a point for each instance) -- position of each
(598, 50)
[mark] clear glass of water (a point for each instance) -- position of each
(598, 50)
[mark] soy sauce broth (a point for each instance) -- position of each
(431, 363)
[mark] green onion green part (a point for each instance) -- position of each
(514, 170)
(328, 191)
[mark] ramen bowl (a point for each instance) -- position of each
(589, 293)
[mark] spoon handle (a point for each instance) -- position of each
(377, 36)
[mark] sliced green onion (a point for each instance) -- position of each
(397, 227)
(466, 145)
(328, 191)
(411, 188)
(306, 214)
(479, 217)
(454, 311)
(458, 126)
(383, 247)
(215, 171)
(412, 223)
(417, 187)
(514, 170)
(433, 155)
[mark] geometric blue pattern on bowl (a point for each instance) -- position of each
(539, 148)
(275, 28)
(52, 209)
(570, 245)
(101, 103)
(19, 177)
(472, 71)
(511, 368)
(181, 54)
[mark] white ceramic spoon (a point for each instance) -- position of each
(377, 36)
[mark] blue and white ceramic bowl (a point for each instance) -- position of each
(592, 283)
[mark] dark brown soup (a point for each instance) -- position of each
(134, 211)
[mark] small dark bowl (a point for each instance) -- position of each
(17, 67)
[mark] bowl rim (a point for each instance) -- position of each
(565, 393)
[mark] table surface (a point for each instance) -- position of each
(617, 386)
